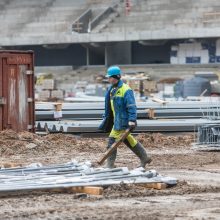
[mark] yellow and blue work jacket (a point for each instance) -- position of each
(120, 108)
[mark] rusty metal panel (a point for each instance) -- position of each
(17, 90)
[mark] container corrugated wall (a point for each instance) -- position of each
(17, 90)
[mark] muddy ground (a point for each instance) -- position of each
(196, 196)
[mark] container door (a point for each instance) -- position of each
(1, 95)
(18, 91)
(12, 98)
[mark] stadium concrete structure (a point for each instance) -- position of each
(105, 32)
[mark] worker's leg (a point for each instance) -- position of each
(112, 157)
(138, 149)
(113, 136)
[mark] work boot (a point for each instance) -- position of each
(139, 150)
(112, 157)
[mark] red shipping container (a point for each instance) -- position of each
(17, 90)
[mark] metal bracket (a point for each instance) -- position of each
(29, 127)
(2, 101)
(29, 99)
(29, 72)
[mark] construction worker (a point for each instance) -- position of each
(120, 114)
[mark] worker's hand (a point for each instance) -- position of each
(132, 125)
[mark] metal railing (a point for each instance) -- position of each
(211, 111)
(209, 135)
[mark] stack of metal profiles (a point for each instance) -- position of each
(73, 174)
(171, 117)
(178, 125)
(94, 111)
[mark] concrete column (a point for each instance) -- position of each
(87, 56)
(106, 56)
(118, 53)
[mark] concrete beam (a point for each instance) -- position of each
(123, 35)
(103, 15)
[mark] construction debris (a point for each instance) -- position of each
(12, 143)
(157, 140)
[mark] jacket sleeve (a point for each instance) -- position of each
(107, 122)
(130, 105)
(107, 103)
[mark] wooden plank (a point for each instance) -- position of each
(160, 101)
(158, 186)
(10, 165)
(55, 190)
(203, 93)
(151, 113)
(113, 147)
(90, 190)
(211, 13)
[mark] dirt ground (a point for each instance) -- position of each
(196, 196)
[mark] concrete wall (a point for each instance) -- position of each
(201, 51)
(50, 21)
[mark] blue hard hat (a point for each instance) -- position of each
(113, 71)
